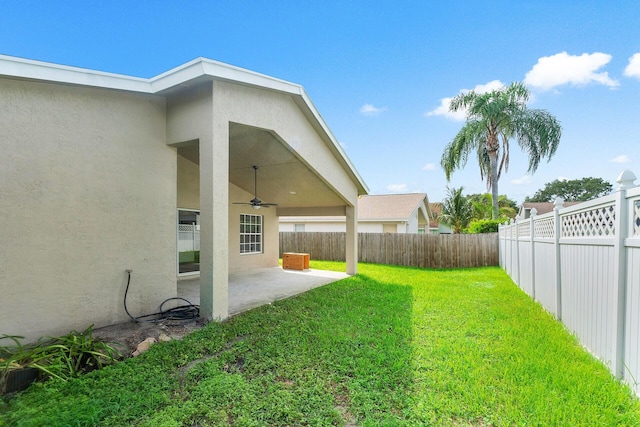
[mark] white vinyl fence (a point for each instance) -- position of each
(188, 237)
(582, 264)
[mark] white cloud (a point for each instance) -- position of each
(562, 68)
(633, 69)
(397, 188)
(371, 110)
(623, 158)
(429, 167)
(524, 180)
(492, 85)
(443, 110)
(461, 115)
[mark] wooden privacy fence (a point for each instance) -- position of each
(582, 263)
(411, 250)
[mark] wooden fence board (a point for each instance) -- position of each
(412, 250)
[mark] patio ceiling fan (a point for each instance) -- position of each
(256, 203)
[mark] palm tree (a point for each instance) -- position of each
(457, 210)
(493, 118)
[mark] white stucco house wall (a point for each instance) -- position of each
(385, 213)
(98, 170)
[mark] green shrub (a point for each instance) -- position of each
(62, 357)
(484, 226)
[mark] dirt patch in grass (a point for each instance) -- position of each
(127, 336)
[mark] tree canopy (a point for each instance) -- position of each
(493, 118)
(483, 206)
(574, 190)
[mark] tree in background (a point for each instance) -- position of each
(493, 118)
(483, 206)
(574, 190)
(457, 210)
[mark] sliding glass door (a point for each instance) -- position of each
(188, 241)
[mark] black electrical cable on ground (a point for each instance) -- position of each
(180, 313)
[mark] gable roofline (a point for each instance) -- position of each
(397, 207)
(199, 68)
(176, 79)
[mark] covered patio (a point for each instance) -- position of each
(253, 288)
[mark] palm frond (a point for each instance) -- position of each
(456, 153)
(538, 134)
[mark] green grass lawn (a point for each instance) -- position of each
(392, 346)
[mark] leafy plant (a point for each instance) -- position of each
(457, 211)
(485, 225)
(62, 357)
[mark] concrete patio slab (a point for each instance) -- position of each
(247, 290)
(254, 288)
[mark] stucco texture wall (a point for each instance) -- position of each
(270, 234)
(188, 184)
(87, 190)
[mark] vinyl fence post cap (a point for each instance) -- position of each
(625, 179)
(559, 203)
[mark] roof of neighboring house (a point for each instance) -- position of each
(436, 210)
(389, 207)
(543, 207)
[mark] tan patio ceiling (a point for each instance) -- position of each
(280, 172)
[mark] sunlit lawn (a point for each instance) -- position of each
(391, 346)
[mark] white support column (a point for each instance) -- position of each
(625, 181)
(559, 204)
(351, 242)
(214, 224)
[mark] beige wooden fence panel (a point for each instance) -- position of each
(411, 250)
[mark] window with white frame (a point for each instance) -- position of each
(250, 234)
(298, 228)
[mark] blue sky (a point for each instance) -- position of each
(380, 72)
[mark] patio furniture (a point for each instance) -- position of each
(295, 261)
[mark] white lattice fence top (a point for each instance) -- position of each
(597, 222)
(524, 229)
(544, 228)
(636, 218)
(186, 227)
